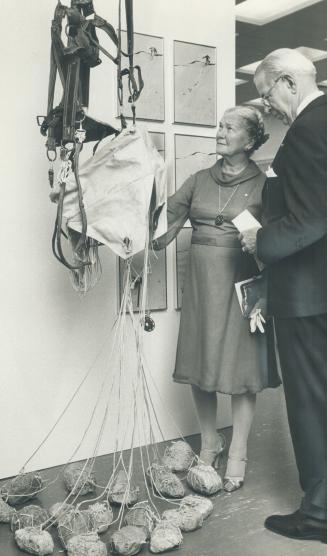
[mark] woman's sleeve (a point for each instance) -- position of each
(178, 210)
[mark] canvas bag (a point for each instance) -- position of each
(119, 183)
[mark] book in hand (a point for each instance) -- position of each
(249, 292)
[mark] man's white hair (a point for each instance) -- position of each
(288, 61)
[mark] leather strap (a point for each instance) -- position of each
(73, 64)
(71, 103)
(81, 245)
(134, 87)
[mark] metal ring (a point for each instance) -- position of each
(66, 146)
(48, 155)
(82, 120)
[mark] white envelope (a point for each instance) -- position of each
(245, 221)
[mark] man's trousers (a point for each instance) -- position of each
(302, 345)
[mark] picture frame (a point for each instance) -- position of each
(192, 153)
(157, 280)
(149, 55)
(195, 84)
(159, 140)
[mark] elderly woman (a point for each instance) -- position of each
(216, 351)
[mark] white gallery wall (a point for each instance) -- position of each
(50, 336)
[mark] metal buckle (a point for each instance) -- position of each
(38, 120)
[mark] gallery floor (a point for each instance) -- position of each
(236, 526)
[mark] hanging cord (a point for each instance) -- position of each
(147, 403)
(65, 169)
(64, 411)
(118, 325)
(130, 50)
(120, 90)
(142, 415)
(133, 89)
(81, 247)
(89, 463)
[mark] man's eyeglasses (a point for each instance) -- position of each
(265, 98)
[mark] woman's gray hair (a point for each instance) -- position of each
(253, 122)
(288, 61)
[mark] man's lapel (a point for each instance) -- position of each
(319, 101)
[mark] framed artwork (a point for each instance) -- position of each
(149, 55)
(192, 153)
(183, 244)
(158, 139)
(157, 280)
(195, 84)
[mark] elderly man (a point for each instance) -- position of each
(293, 245)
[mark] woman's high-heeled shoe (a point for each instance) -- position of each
(211, 456)
(232, 482)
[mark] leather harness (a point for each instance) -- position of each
(66, 126)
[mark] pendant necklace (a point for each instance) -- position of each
(219, 220)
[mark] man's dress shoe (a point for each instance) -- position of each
(297, 526)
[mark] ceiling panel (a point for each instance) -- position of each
(240, 81)
(303, 28)
(261, 12)
(312, 53)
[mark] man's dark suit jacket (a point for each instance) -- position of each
(293, 240)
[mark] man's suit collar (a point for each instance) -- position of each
(308, 99)
(319, 101)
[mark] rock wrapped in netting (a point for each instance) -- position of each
(58, 510)
(200, 503)
(79, 480)
(165, 482)
(187, 518)
(101, 516)
(86, 545)
(6, 512)
(72, 524)
(34, 541)
(165, 536)
(204, 479)
(122, 491)
(128, 540)
(29, 516)
(141, 515)
(178, 456)
(21, 488)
